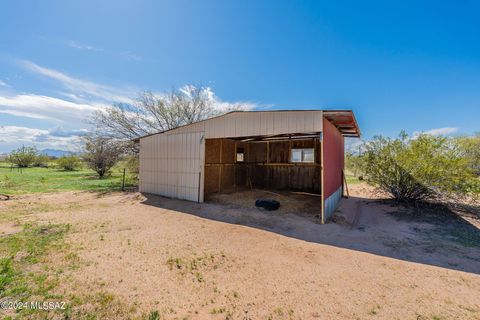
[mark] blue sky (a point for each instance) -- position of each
(412, 65)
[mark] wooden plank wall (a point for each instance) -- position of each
(219, 165)
(266, 165)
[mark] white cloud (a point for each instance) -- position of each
(445, 131)
(79, 87)
(13, 136)
(80, 46)
(21, 133)
(3, 84)
(23, 114)
(127, 55)
(354, 145)
(47, 108)
(61, 132)
(216, 102)
(441, 131)
(230, 106)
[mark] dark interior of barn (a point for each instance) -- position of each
(273, 163)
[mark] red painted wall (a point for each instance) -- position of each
(333, 158)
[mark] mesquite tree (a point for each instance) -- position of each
(23, 157)
(151, 113)
(100, 153)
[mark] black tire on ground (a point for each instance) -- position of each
(267, 204)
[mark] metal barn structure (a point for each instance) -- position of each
(299, 150)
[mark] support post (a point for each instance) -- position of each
(322, 176)
(123, 180)
(346, 185)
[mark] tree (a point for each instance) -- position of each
(423, 168)
(470, 149)
(68, 162)
(132, 163)
(101, 153)
(151, 113)
(22, 157)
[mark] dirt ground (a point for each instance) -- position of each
(299, 203)
(232, 261)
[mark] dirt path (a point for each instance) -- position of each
(210, 261)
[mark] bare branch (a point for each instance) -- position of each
(151, 113)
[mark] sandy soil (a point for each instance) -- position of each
(231, 261)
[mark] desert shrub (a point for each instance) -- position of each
(68, 163)
(23, 157)
(41, 160)
(418, 169)
(470, 150)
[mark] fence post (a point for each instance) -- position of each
(123, 180)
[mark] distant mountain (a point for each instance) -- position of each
(54, 152)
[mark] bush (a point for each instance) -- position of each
(68, 163)
(418, 169)
(41, 160)
(22, 157)
(470, 150)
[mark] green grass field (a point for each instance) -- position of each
(35, 180)
(353, 180)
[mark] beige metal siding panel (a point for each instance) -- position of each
(310, 121)
(220, 127)
(318, 121)
(201, 163)
(170, 165)
(210, 127)
(141, 174)
(263, 123)
(292, 122)
(255, 121)
(238, 125)
(241, 124)
(299, 122)
(247, 125)
(229, 130)
(244, 124)
(216, 131)
(279, 123)
(270, 121)
(266, 123)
